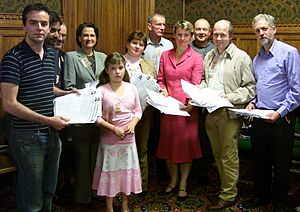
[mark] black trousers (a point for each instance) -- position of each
(272, 145)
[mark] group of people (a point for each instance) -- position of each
(110, 156)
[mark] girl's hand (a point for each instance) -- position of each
(130, 128)
(164, 92)
(119, 132)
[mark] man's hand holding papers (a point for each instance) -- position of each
(80, 109)
(264, 114)
(167, 105)
(205, 97)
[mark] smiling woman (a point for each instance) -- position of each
(81, 67)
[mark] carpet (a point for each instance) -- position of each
(197, 200)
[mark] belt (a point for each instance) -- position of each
(48, 130)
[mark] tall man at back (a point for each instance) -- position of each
(276, 69)
(27, 85)
(156, 44)
(202, 44)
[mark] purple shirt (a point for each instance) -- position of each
(278, 78)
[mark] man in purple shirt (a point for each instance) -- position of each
(276, 69)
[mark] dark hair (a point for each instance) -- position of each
(33, 7)
(112, 59)
(137, 35)
(81, 27)
(54, 18)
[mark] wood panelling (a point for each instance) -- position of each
(116, 19)
(10, 32)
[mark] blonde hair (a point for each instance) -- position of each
(183, 24)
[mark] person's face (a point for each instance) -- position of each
(135, 48)
(53, 35)
(61, 38)
(221, 36)
(157, 26)
(36, 26)
(264, 32)
(202, 31)
(115, 72)
(182, 37)
(88, 38)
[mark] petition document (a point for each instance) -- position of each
(142, 83)
(167, 105)
(257, 113)
(79, 108)
(204, 97)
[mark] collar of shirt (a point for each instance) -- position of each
(149, 42)
(272, 50)
(229, 51)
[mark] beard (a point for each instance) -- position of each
(265, 41)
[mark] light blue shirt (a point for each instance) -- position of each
(278, 78)
(153, 51)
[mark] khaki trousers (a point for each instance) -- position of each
(223, 134)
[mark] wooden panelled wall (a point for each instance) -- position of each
(116, 19)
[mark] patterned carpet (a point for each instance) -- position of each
(153, 202)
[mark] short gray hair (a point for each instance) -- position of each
(151, 17)
(270, 19)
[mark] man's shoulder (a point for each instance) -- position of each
(166, 43)
(239, 52)
(282, 46)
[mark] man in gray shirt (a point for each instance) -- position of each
(202, 32)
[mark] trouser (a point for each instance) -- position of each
(204, 164)
(142, 131)
(272, 145)
(223, 133)
(36, 153)
(85, 139)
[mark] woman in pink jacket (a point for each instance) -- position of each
(179, 142)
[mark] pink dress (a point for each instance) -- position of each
(117, 166)
(179, 140)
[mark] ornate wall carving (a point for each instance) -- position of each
(237, 11)
(17, 6)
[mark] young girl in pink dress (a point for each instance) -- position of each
(117, 166)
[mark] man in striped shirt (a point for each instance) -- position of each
(27, 86)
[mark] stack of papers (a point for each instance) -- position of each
(144, 82)
(167, 105)
(257, 113)
(204, 97)
(80, 109)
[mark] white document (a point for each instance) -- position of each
(79, 108)
(204, 97)
(253, 113)
(167, 105)
(142, 83)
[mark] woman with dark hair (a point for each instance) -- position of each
(83, 66)
(135, 63)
